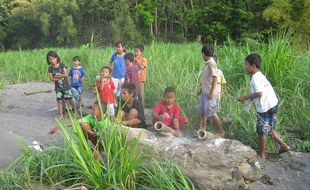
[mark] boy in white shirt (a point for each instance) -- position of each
(266, 102)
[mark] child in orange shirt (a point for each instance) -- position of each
(141, 62)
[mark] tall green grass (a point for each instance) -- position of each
(125, 166)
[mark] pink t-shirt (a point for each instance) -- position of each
(168, 113)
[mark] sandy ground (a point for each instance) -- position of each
(31, 117)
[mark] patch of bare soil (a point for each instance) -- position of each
(27, 116)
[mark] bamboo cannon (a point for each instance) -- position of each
(160, 127)
(37, 92)
(203, 134)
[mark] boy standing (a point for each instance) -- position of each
(141, 62)
(76, 76)
(207, 107)
(266, 102)
(168, 111)
(132, 73)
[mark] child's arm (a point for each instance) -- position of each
(176, 124)
(157, 117)
(83, 74)
(250, 96)
(176, 117)
(213, 86)
(143, 63)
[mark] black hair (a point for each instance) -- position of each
(76, 58)
(52, 54)
(169, 90)
(130, 57)
(140, 47)
(254, 59)
(130, 87)
(107, 67)
(122, 43)
(208, 50)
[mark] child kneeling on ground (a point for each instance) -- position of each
(168, 111)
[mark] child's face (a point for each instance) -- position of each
(76, 63)
(248, 68)
(204, 57)
(137, 52)
(169, 98)
(105, 73)
(125, 95)
(52, 60)
(119, 49)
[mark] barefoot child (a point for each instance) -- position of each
(266, 102)
(58, 73)
(168, 111)
(106, 89)
(76, 76)
(132, 113)
(207, 107)
(91, 123)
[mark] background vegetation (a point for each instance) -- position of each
(67, 23)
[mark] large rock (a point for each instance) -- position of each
(215, 163)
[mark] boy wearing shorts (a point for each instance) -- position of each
(266, 103)
(207, 107)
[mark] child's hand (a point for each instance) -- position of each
(53, 130)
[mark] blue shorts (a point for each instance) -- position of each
(266, 121)
(207, 107)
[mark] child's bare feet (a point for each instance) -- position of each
(284, 149)
(261, 156)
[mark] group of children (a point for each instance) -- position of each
(121, 89)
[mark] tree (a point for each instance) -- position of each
(292, 16)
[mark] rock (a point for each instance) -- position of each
(211, 164)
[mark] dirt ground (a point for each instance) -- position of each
(32, 116)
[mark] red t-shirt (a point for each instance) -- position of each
(107, 93)
(168, 113)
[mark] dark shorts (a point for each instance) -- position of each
(266, 121)
(64, 94)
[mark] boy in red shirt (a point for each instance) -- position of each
(106, 89)
(168, 111)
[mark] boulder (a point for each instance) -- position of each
(214, 163)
